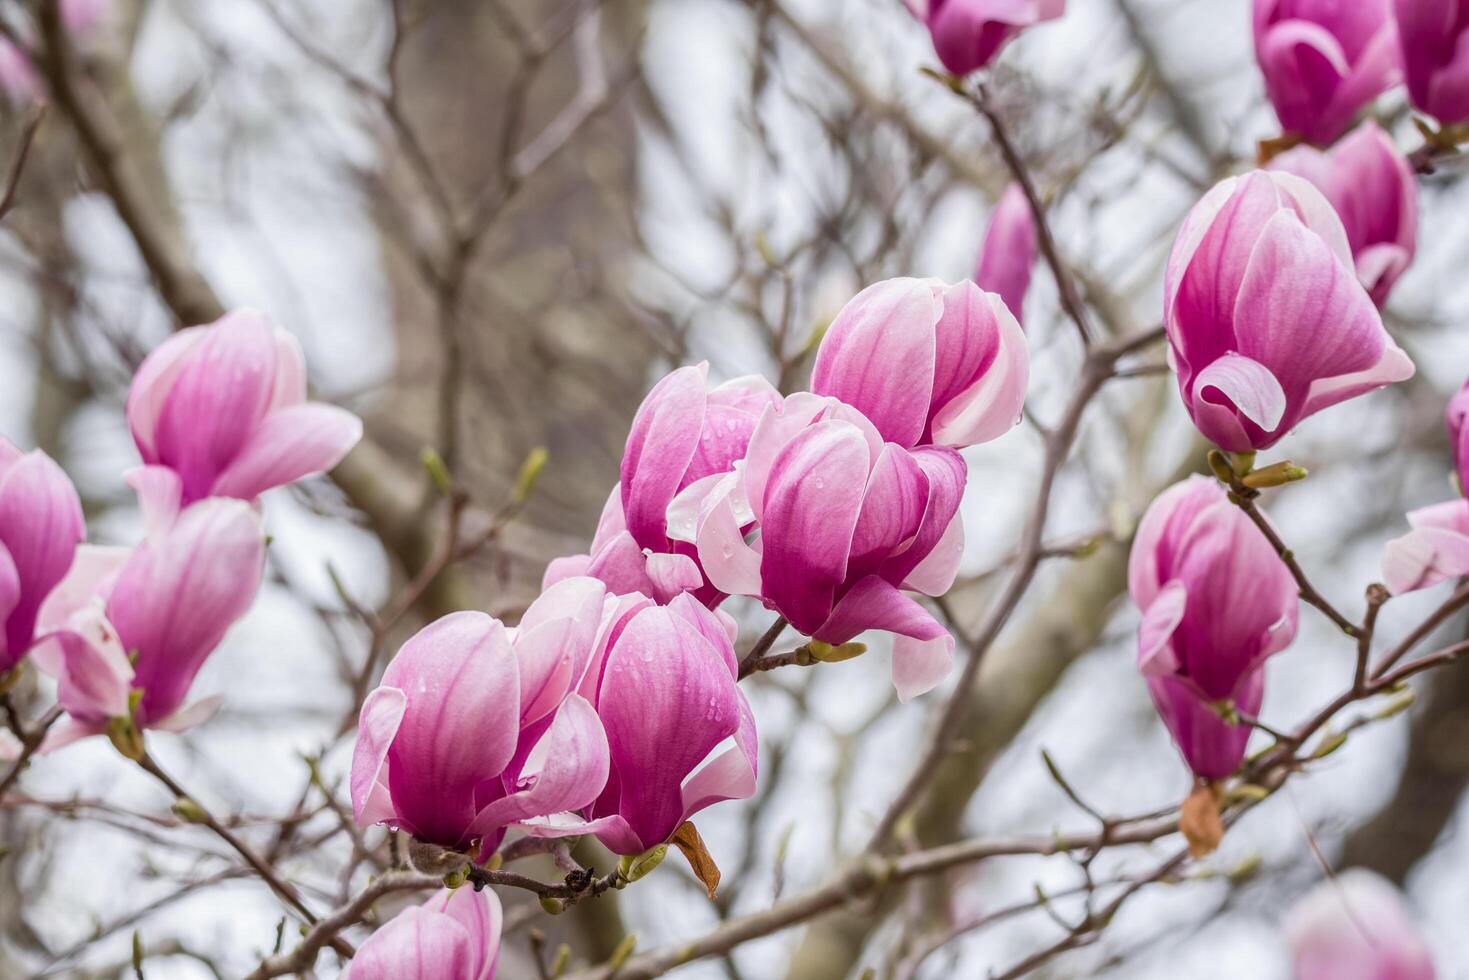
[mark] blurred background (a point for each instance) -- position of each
(493, 224)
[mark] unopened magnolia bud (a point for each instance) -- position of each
(552, 906)
(530, 472)
(188, 810)
(1275, 475)
(828, 654)
(437, 469)
(126, 737)
(457, 877)
(635, 866)
(1220, 467)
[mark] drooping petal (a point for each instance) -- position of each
(1424, 557)
(382, 713)
(873, 604)
(288, 445)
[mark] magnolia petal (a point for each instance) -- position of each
(731, 565)
(160, 495)
(1249, 385)
(665, 434)
(415, 945)
(923, 651)
(288, 445)
(1424, 557)
(1155, 654)
(732, 774)
(377, 726)
(935, 574)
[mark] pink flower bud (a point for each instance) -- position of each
(1324, 60)
(1267, 323)
(474, 728)
(1357, 926)
(223, 407)
(1375, 193)
(846, 523)
(1434, 36)
(926, 362)
(666, 691)
(40, 526)
(967, 34)
(1008, 253)
(455, 935)
(141, 624)
(683, 439)
(1216, 602)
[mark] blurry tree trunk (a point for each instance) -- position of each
(539, 346)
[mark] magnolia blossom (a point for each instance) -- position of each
(846, 523)
(927, 362)
(455, 935)
(1217, 601)
(664, 680)
(221, 411)
(128, 631)
(1375, 193)
(475, 727)
(683, 435)
(967, 34)
(1434, 35)
(1267, 323)
(1356, 926)
(1437, 549)
(1324, 60)
(40, 527)
(1008, 253)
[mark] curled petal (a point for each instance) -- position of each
(377, 726)
(286, 446)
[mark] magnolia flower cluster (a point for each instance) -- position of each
(613, 707)
(1324, 61)
(219, 415)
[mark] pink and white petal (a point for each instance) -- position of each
(812, 503)
(776, 428)
(935, 574)
(545, 655)
(1249, 385)
(612, 830)
(920, 665)
(566, 567)
(160, 494)
(878, 356)
(565, 771)
(69, 730)
(290, 371)
(923, 651)
(710, 626)
(1155, 653)
(664, 437)
(482, 917)
(1452, 515)
(288, 445)
(684, 509)
(90, 577)
(382, 714)
(192, 715)
(1424, 557)
(622, 565)
(731, 565)
(730, 775)
(672, 575)
(151, 385)
(993, 404)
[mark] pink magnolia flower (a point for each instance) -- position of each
(1357, 927)
(926, 362)
(683, 435)
(846, 523)
(665, 685)
(1217, 601)
(138, 625)
(221, 411)
(967, 34)
(1434, 36)
(455, 935)
(475, 727)
(1267, 323)
(1437, 548)
(40, 526)
(1008, 254)
(1375, 193)
(1324, 60)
